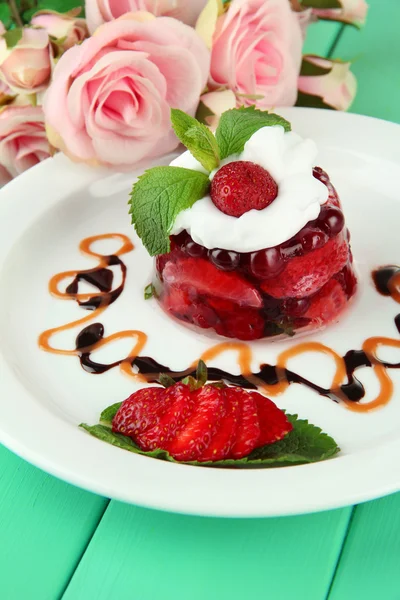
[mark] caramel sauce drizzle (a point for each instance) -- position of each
(272, 379)
(91, 338)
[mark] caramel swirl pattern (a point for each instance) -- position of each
(272, 379)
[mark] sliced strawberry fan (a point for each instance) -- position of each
(195, 421)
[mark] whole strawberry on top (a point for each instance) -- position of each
(241, 186)
(249, 236)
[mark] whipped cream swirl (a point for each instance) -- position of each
(290, 160)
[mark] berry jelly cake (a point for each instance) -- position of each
(260, 249)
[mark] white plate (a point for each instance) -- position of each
(43, 397)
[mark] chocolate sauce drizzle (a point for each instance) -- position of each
(101, 278)
(91, 337)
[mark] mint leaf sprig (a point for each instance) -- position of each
(305, 444)
(197, 138)
(157, 198)
(236, 126)
(161, 193)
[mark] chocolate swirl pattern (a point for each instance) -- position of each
(272, 379)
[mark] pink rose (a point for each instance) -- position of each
(66, 28)
(23, 141)
(101, 11)
(332, 82)
(26, 68)
(110, 98)
(352, 11)
(257, 51)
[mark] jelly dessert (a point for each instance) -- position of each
(257, 246)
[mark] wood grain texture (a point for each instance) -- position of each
(370, 563)
(146, 555)
(375, 51)
(45, 526)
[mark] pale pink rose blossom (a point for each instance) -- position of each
(26, 68)
(352, 11)
(66, 27)
(110, 99)
(257, 51)
(101, 11)
(2, 28)
(23, 141)
(336, 88)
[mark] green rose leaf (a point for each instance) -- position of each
(197, 138)
(236, 126)
(12, 37)
(306, 443)
(322, 3)
(158, 196)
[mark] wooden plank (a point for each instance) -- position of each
(158, 555)
(45, 526)
(376, 54)
(320, 37)
(369, 565)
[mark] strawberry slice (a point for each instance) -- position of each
(242, 324)
(222, 442)
(327, 303)
(206, 279)
(139, 412)
(305, 275)
(176, 410)
(273, 421)
(176, 301)
(248, 432)
(199, 429)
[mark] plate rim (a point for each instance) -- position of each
(372, 469)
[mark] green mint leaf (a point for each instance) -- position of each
(109, 413)
(12, 37)
(236, 126)
(149, 291)
(122, 441)
(159, 195)
(306, 443)
(197, 138)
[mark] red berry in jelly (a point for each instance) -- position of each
(267, 263)
(226, 260)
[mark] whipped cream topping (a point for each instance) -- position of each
(290, 160)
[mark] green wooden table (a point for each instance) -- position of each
(57, 541)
